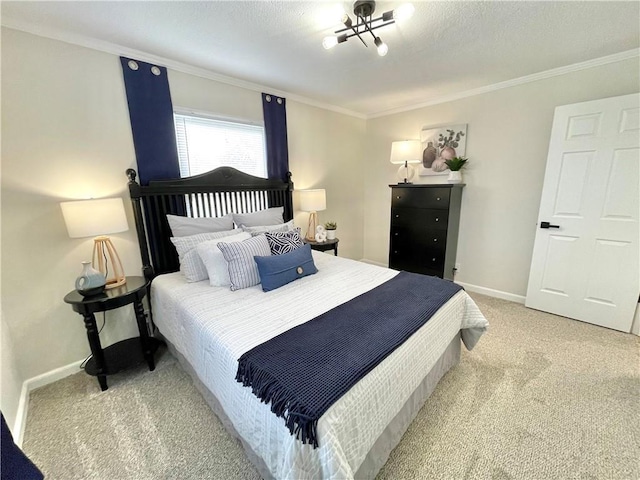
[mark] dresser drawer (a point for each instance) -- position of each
(418, 238)
(417, 262)
(409, 197)
(420, 217)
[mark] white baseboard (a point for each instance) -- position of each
(372, 262)
(512, 297)
(33, 383)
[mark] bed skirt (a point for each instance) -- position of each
(387, 441)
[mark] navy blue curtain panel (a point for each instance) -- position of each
(275, 129)
(151, 114)
(14, 464)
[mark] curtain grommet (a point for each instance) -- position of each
(279, 101)
(268, 98)
(156, 71)
(133, 65)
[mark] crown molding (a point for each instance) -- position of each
(554, 72)
(119, 50)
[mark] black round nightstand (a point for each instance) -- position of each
(324, 246)
(126, 353)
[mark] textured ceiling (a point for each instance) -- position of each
(444, 49)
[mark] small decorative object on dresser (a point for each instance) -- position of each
(331, 228)
(424, 228)
(456, 164)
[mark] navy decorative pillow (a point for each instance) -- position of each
(278, 270)
(284, 242)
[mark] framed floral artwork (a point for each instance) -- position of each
(440, 144)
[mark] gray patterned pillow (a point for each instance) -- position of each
(191, 264)
(243, 271)
(284, 242)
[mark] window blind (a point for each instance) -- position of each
(205, 144)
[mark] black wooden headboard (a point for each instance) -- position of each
(212, 194)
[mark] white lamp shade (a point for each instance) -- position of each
(313, 200)
(90, 218)
(406, 151)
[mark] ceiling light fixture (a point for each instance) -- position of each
(363, 10)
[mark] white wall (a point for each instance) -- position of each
(11, 380)
(507, 141)
(66, 135)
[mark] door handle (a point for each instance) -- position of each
(548, 225)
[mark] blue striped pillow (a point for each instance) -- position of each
(243, 271)
(284, 242)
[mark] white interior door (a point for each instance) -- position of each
(586, 261)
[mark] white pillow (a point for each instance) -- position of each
(191, 265)
(214, 261)
(186, 226)
(282, 227)
(270, 216)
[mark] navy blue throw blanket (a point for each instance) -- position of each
(303, 371)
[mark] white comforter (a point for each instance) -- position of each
(212, 327)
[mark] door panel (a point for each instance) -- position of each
(609, 259)
(560, 250)
(622, 193)
(588, 267)
(574, 171)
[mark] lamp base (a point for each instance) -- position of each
(311, 227)
(107, 261)
(406, 173)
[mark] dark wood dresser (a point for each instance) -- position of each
(424, 228)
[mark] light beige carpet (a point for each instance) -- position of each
(541, 397)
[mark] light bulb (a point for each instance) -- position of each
(403, 12)
(329, 42)
(382, 47)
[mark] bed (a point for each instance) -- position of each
(209, 328)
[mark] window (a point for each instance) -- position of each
(205, 144)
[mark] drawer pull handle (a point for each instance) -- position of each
(398, 197)
(435, 239)
(438, 198)
(395, 234)
(433, 259)
(395, 251)
(437, 219)
(397, 216)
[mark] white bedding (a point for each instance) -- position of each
(213, 326)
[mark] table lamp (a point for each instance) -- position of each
(88, 218)
(403, 153)
(313, 201)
